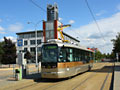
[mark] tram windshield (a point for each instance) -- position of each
(49, 53)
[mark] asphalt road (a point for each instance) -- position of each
(99, 78)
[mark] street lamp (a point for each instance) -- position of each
(36, 53)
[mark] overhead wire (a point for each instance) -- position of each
(37, 5)
(85, 40)
(94, 19)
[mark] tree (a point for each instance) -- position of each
(98, 55)
(116, 44)
(112, 55)
(1, 50)
(27, 56)
(9, 48)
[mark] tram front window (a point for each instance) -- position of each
(49, 53)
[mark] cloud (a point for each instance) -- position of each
(12, 38)
(100, 13)
(60, 19)
(2, 30)
(89, 34)
(17, 27)
(71, 21)
(9, 37)
(101, 36)
(118, 7)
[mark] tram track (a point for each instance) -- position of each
(47, 84)
(26, 86)
(106, 78)
(102, 87)
(58, 83)
(82, 82)
(79, 81)
(89, 77)
(38, 84)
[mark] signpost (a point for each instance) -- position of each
(19, 42)
(117, 57)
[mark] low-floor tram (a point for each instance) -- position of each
(61, 60)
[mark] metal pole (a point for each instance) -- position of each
(36, 53)
(13, 70)
(94, 56)
(36, 46)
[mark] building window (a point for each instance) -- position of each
(32, 42)
(32, 49)
(21, 36)
(39, 34)
(39, 41)
(25, 49)
(32, 35)
(39, 49)
(26, 35)
(25, 43)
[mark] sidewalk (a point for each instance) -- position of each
(117, 76)
(6, 67)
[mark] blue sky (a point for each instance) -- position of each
(14, 15)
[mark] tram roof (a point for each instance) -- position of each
(61, 44)
(76, 46)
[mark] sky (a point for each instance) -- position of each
(15, 15)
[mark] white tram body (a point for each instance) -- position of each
(61, 60)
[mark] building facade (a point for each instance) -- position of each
(26, 41)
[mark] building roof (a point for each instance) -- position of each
(42, 31)
(28, 32)
(71, 37)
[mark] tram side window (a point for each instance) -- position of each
(62, 55)
(76, 55)
(66, 55)
(70, 54)
(91, 56)
(86, 55)
(79, 55)
(82, 55)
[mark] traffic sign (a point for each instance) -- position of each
(19, 42)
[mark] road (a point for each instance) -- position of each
(99, 78)
(7, 74)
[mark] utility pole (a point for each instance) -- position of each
(36, 53)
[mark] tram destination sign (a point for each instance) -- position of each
(51, 47)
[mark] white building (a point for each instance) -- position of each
(27, 41)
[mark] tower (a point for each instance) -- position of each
(52, 12)
(50, 26)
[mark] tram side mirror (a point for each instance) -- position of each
(61, 57)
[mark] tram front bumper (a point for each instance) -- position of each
(53, 74)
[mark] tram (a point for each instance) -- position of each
(62, 60)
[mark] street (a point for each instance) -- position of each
(99, 78)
